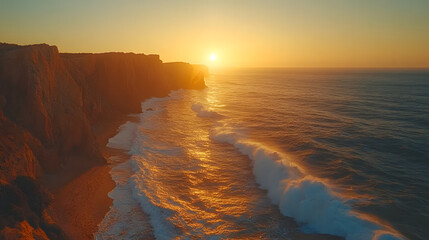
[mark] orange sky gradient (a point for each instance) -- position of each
(241, 33)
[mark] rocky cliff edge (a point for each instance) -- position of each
(50, 100)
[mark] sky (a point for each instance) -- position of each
(241, 33)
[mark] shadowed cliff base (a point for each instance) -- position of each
(50, 104)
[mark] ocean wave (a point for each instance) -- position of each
(132, 215)
(162, 228)
(124, 139)
(308, 200)
(139, 150)
(125, 217)
(204, 112)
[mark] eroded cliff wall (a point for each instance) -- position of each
(40, 96)
(49, 100)
(48, 103)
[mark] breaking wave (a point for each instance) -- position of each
(204, 112)
(308, 200)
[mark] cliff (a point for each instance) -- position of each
(49, 102)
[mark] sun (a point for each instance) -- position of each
(213, 57)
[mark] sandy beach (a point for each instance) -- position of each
(80, 204)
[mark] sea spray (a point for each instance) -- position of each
(162, 228)
(203, 111)
(139, 149)
(308, 200)
(125, 217)
(201, 187)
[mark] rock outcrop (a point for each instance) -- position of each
(40, 96)
(23, 231)
(18, 151)
(49, 102)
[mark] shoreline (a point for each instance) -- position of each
(80, 205)
(68, 105)
(81, 199)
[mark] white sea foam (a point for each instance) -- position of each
(126, 219)
(140, 148)
(308, 200)
(203, 111)
(125, 137)
(162, 228)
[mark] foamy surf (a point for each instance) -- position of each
(162, 228)
(126, 219)
(203, 111)
(197, 174)
(133, 215)
(308, 200)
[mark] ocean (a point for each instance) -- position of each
(273, 153)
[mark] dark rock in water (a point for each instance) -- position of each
(149, 109)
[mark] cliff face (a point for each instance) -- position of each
(18, 150)
(184, 75)
(116, 82)
(48, 101)
(40, 96)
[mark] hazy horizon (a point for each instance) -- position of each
(310, 122)
(281, 34)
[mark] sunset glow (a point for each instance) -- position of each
(213, 57)
(248, 33)
(243, 119)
